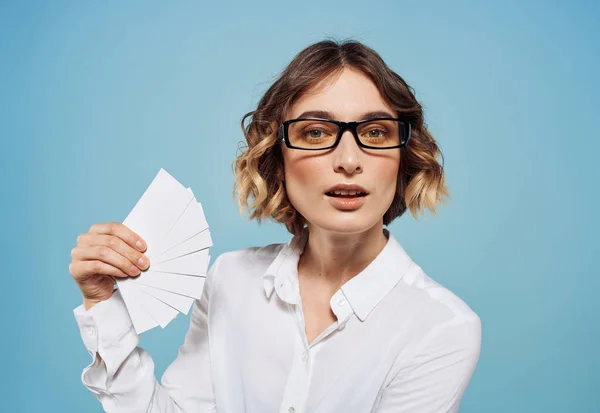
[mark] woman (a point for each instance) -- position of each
(340, 319)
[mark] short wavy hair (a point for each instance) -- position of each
(258, 166)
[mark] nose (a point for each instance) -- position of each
(347, 155)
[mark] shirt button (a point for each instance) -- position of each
(341, 301)
(91, 331)
(291, 410)
(304, 355)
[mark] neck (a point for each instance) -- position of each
(335, 258)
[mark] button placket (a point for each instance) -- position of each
(298, 381)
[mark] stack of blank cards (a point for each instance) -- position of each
(171, 221)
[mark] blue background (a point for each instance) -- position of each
(95, 97)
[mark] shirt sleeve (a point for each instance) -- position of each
(435, 379)
(123, 377)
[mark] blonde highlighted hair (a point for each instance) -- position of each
(259, 165)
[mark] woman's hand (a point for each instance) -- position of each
(106, 251)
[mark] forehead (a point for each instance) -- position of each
(347, 95)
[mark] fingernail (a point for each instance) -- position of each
(142, 262)
(139, 245)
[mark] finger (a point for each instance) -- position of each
(121, 231)
(82, 270)
(118, 245)
(107, 255)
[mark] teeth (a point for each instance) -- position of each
(350, 193)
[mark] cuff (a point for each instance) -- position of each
(107, 329)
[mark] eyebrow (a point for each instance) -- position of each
(328, 115)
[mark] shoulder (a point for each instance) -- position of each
(250, 255)
(436, 327)
(438, 308)
(251, 260)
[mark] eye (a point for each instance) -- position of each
(376, 133)
(314, 133)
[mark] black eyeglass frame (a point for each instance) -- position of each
(344, 126)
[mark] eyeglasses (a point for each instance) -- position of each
(318, 134)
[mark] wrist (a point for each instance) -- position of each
(87, 304)
(90, 302)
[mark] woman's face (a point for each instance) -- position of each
(309, 175)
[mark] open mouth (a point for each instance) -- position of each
(346, 194)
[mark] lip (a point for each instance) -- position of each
(347, 203)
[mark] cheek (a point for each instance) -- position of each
(386, 175)
(303, 181)
(303, 170)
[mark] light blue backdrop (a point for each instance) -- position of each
(95, 97)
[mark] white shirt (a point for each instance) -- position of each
(401, 343)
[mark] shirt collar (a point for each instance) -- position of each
(363, 291)
(366, 289)
(282, 274)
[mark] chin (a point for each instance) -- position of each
(345, 222)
